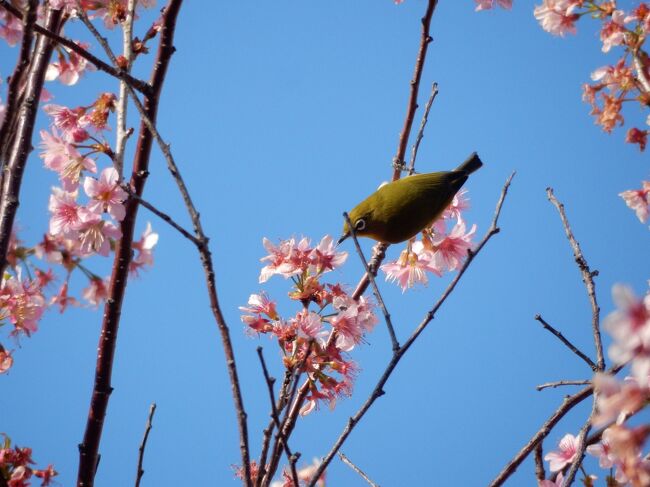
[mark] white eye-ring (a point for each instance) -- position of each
(360, 224)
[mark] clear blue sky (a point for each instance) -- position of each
(282, 115)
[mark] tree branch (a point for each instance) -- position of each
(347, 461)
(88, 449)
(569, 345)
(562, 383)
(423, 124)
(582, 446)
(22, 140)
(539, 462)
(587, 278)
(143, 444)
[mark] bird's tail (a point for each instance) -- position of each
(471, 164)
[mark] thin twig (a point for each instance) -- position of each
(276, 418)
(564, 340)
(425, 39)
(380, 299)
(582, 446)
(138, 84)
(163, 216)
(587, 278)
(378, 390)
(349, 463)
(143, 445)
(540, 474)
(563, 383)
(22, 140)
(102, 388)
(206, 261)
(423, 124)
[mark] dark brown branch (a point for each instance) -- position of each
(347, 461)
(270, 381)
(425, 39)
(587, 277)
(143, 444)
(378, 391)
(139, 85)
(380, 299)
(564, 340)
(423, 124)
(22, 140)
(582, 446)
(17, 78)
(206, 261)
(540, 474)
(563, 383)
(88, 449)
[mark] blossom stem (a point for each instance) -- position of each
(423, 124)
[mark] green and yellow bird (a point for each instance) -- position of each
(401, 209)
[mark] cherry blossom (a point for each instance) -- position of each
(411, 267)
(613, 32)
(22, 303)
(559, 481)
(144, 248)
(324, 256)
(279, 259)
(95, 234)
(66, 213)
(637, 136)
(68, 121)
(630, 328)
(450, 251)
(616, 400)
(489, 4)
(106, 194)
(68, 71)
(354, 319)
(6, 360)
(11, 28)
(568, 448)
(96, 292)
(557, 16)
(639, 201)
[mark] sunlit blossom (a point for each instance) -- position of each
(557, 16)
(639, 201)
(566, 453)
(106, 194)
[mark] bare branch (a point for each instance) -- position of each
(425, 119)
(143, 444)
(102, 388)
(347, 461)
(380, 299)
(563, 383)
(276, 418)
(539, 462)
(425, 39)
(564, 340)
(587, 278)
(139, 85)
(378, 391)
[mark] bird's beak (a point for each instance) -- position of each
(343, 237)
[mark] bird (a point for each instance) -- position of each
(401, 209)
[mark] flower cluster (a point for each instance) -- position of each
(306, 341)
(16, 467)
(443, 247)
(621, 446)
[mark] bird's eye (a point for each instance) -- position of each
(360, 224)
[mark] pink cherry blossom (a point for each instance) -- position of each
(279, 259)
(639, 201)
(616, 400)
(96, 292)
(459, 203)
(625, 446)
(144, 248)
(354, 318)
(630, 328)
(557, 16)
(68, 121)
(489, 4)
(95, 234)
(106, 194)
(324, 256)
(613, 32)
(6, 360)
(411, 267)
(450, 251)
(56, 151)
(68, 71)
(637, 136)
(66, 213)
(603, 452)
(568, 448)
(261, 304)
(62, 299)
(11, 28)
(308, 324)
(22, 303)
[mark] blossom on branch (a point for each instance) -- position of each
(559, 459)
(638, 200)
(557, 16)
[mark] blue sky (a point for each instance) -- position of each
(282, 115)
